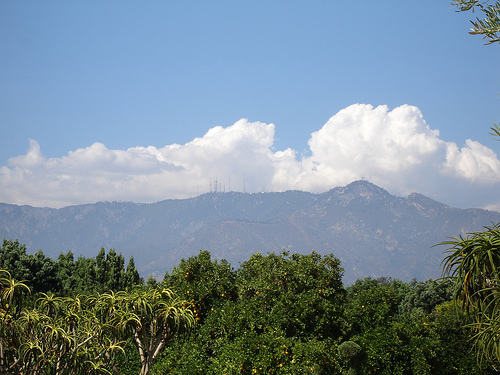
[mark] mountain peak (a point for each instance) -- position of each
(373, 232)
(361, 191)
(356, 195)
(364, 188)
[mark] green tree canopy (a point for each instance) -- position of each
(206, 283)
(65, 276)
(302, 295)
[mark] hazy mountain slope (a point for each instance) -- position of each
(143, 230)
(373, 232)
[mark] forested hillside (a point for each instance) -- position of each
(283, 313)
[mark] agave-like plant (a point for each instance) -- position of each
(473, 263)
(96, 368)
(160, 316)
(486, 337)
(11, 291)
(50, 304)
(11, 295)
(83, 334)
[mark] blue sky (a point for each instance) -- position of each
(144, 101)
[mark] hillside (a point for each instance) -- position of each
(372, 232)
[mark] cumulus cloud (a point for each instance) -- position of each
(375, 143)
(473, 162)
(396, 150)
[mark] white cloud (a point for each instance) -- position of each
(362, 141)
(32, 159)
(475, 162)
(395, 149)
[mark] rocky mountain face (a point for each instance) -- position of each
(372, 232)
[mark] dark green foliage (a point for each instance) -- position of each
(128, 361)
(350, 352)
(100, 267)
(43, 273)
(40, 270)
(277, 314)
(151, 282)
(110, 271)
(13, 259)
(132, 276)
(425, 296)
(65, 276)
(269, 353)
(370, 305)
(290, 312)
(104, 273)
(457, 354)
(114, 271)
(84, 275)
(403, 330)
(187, 357)
(302, 295)
(66, 271)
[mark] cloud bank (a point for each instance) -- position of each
(395, 149)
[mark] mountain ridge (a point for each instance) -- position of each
(373, 232)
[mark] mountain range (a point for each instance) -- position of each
(372, 232)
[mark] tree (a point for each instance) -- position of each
(489, 27)
(11, 292)
(301, 294)
(206, 283)
(153, 317)
(473, 263)
(288, 318)
(110, 272)
(43, 273)
(455, 353)
(277, 314)
(84, 334)
(59, 335)
(13, 259)
(132, 277)
(100, 267)
(115, 271)
(350, 352)
(66, 273)
(40, 270)
(425, 296)
(85, 275)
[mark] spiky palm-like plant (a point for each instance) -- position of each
(473, 263)
(159, 316)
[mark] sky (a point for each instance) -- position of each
(145, 101)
